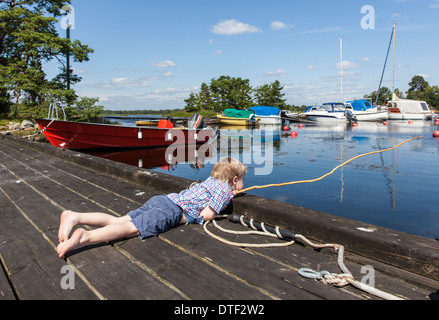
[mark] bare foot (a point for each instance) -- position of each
(73, 243)
(68, 222)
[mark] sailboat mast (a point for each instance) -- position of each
(394, 57)
(385, 65)
(341, 69)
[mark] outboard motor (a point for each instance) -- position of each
(350, 116)
(196, 121)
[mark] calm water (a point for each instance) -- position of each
(396, 190)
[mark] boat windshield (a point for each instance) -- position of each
(424, 106)
(334, 107)
(339, 107)
(327, 107)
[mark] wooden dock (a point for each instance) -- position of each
(38, 182)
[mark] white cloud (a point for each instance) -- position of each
(426, 76)
(127, 82)
(162, 74)
(119, 84)
(233, 27)
(79, 71)
(175, 90)
(276, 73)
(153, 99)
(347, 65)
(279, 25)
(310, 67)
(217, 53)
(164, 64)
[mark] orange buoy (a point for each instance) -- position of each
(301, 126)
(385, 123)
(436, 134)
(286, 128)
(355, 124)
(294, 134)
(410, 122)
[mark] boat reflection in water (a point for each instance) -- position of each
(164, 158)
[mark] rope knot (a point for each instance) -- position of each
(338, 280)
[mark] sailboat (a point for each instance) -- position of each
(405, 109)
(333, 111)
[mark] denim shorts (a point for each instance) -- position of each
(158, 215)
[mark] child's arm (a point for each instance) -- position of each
(208, 214)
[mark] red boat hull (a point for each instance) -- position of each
(79, 136)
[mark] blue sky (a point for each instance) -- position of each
(153, 54)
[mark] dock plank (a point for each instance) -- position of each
(280, 279)
(106, 269)
(29, 260)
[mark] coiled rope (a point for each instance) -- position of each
(338, 280)
(330, 173)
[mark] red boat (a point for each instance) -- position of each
(80, 136)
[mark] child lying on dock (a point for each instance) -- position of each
(161, 213)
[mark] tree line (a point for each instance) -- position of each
(228, 92)
(29, 40)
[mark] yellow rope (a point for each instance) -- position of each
(330, 173)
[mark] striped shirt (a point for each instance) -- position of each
(211, 193)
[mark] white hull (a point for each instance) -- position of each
(270, 120)
(325, 117)
(408, 116)
(371, 116)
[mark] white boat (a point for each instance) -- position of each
(328, 112)
(268, 115)
(363, 110)
(403, 109)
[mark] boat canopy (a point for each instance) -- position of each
(411, 106)
(241, 114)
(266, 111)
(360, 105)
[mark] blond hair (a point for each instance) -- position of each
(227, 169)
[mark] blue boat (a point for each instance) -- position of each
(363, 110)
(268, 115)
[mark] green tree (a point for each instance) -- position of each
(420, 89)
(200, 101)
(385, 94)
(85, 110)
(431, 96)
(222, 93)
(28, 40)
(270, 95)
(228, 92)
(417, 87)
(4, 101)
